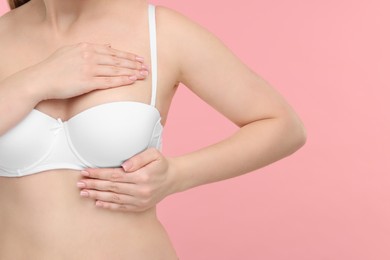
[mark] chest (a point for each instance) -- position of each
(122, 36)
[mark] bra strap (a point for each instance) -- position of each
(153, 51)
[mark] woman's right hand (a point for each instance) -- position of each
(73, 70)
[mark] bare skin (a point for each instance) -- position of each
(44, 214)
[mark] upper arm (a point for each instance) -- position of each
(215, 74)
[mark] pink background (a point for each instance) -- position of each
(330, 200)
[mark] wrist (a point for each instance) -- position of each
(175, 176)
(33, 84)
(20, 84)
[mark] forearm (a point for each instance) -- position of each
(17, 99)
(253, 146)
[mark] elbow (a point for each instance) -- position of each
(299, 130)
(301, 135)
(294, 132)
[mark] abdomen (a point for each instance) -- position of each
(43, 216)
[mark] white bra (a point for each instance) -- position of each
(105, 135)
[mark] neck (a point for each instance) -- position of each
(61, 15)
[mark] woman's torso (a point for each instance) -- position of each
(42, 215)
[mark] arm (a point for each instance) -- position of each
(17, 99)
(269, 128)
(73, 70)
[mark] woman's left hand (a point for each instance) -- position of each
(148, 179)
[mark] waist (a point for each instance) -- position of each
(44, 212)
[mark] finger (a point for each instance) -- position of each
(107, 196)
(107, 50)
(111, 82)
(118, 207)
(103, 185)
(102, 173)
(105, 70)
(108, 70)
(140, 160)
(120, 62)
(140, 176)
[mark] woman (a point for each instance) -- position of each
(75, 109)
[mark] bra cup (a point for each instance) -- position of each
(156, 139)
(107, 137)
(28, 142)
(101, 136)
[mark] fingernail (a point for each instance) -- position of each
(144, 72)
(133, 78)
(84, 194)
(80, 184)
(144, 66)
(126, 166)
(138, 58)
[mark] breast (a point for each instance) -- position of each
(106, 136)
(27, 143)
(102, 136)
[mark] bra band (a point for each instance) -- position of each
(153, 51)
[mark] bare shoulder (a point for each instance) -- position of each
(12, 26)
(186, 39)
(170, 16)
(170, 24)
(8, 22)
(11, 20)
(176, 23)
(174, 33)
(193, 44)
